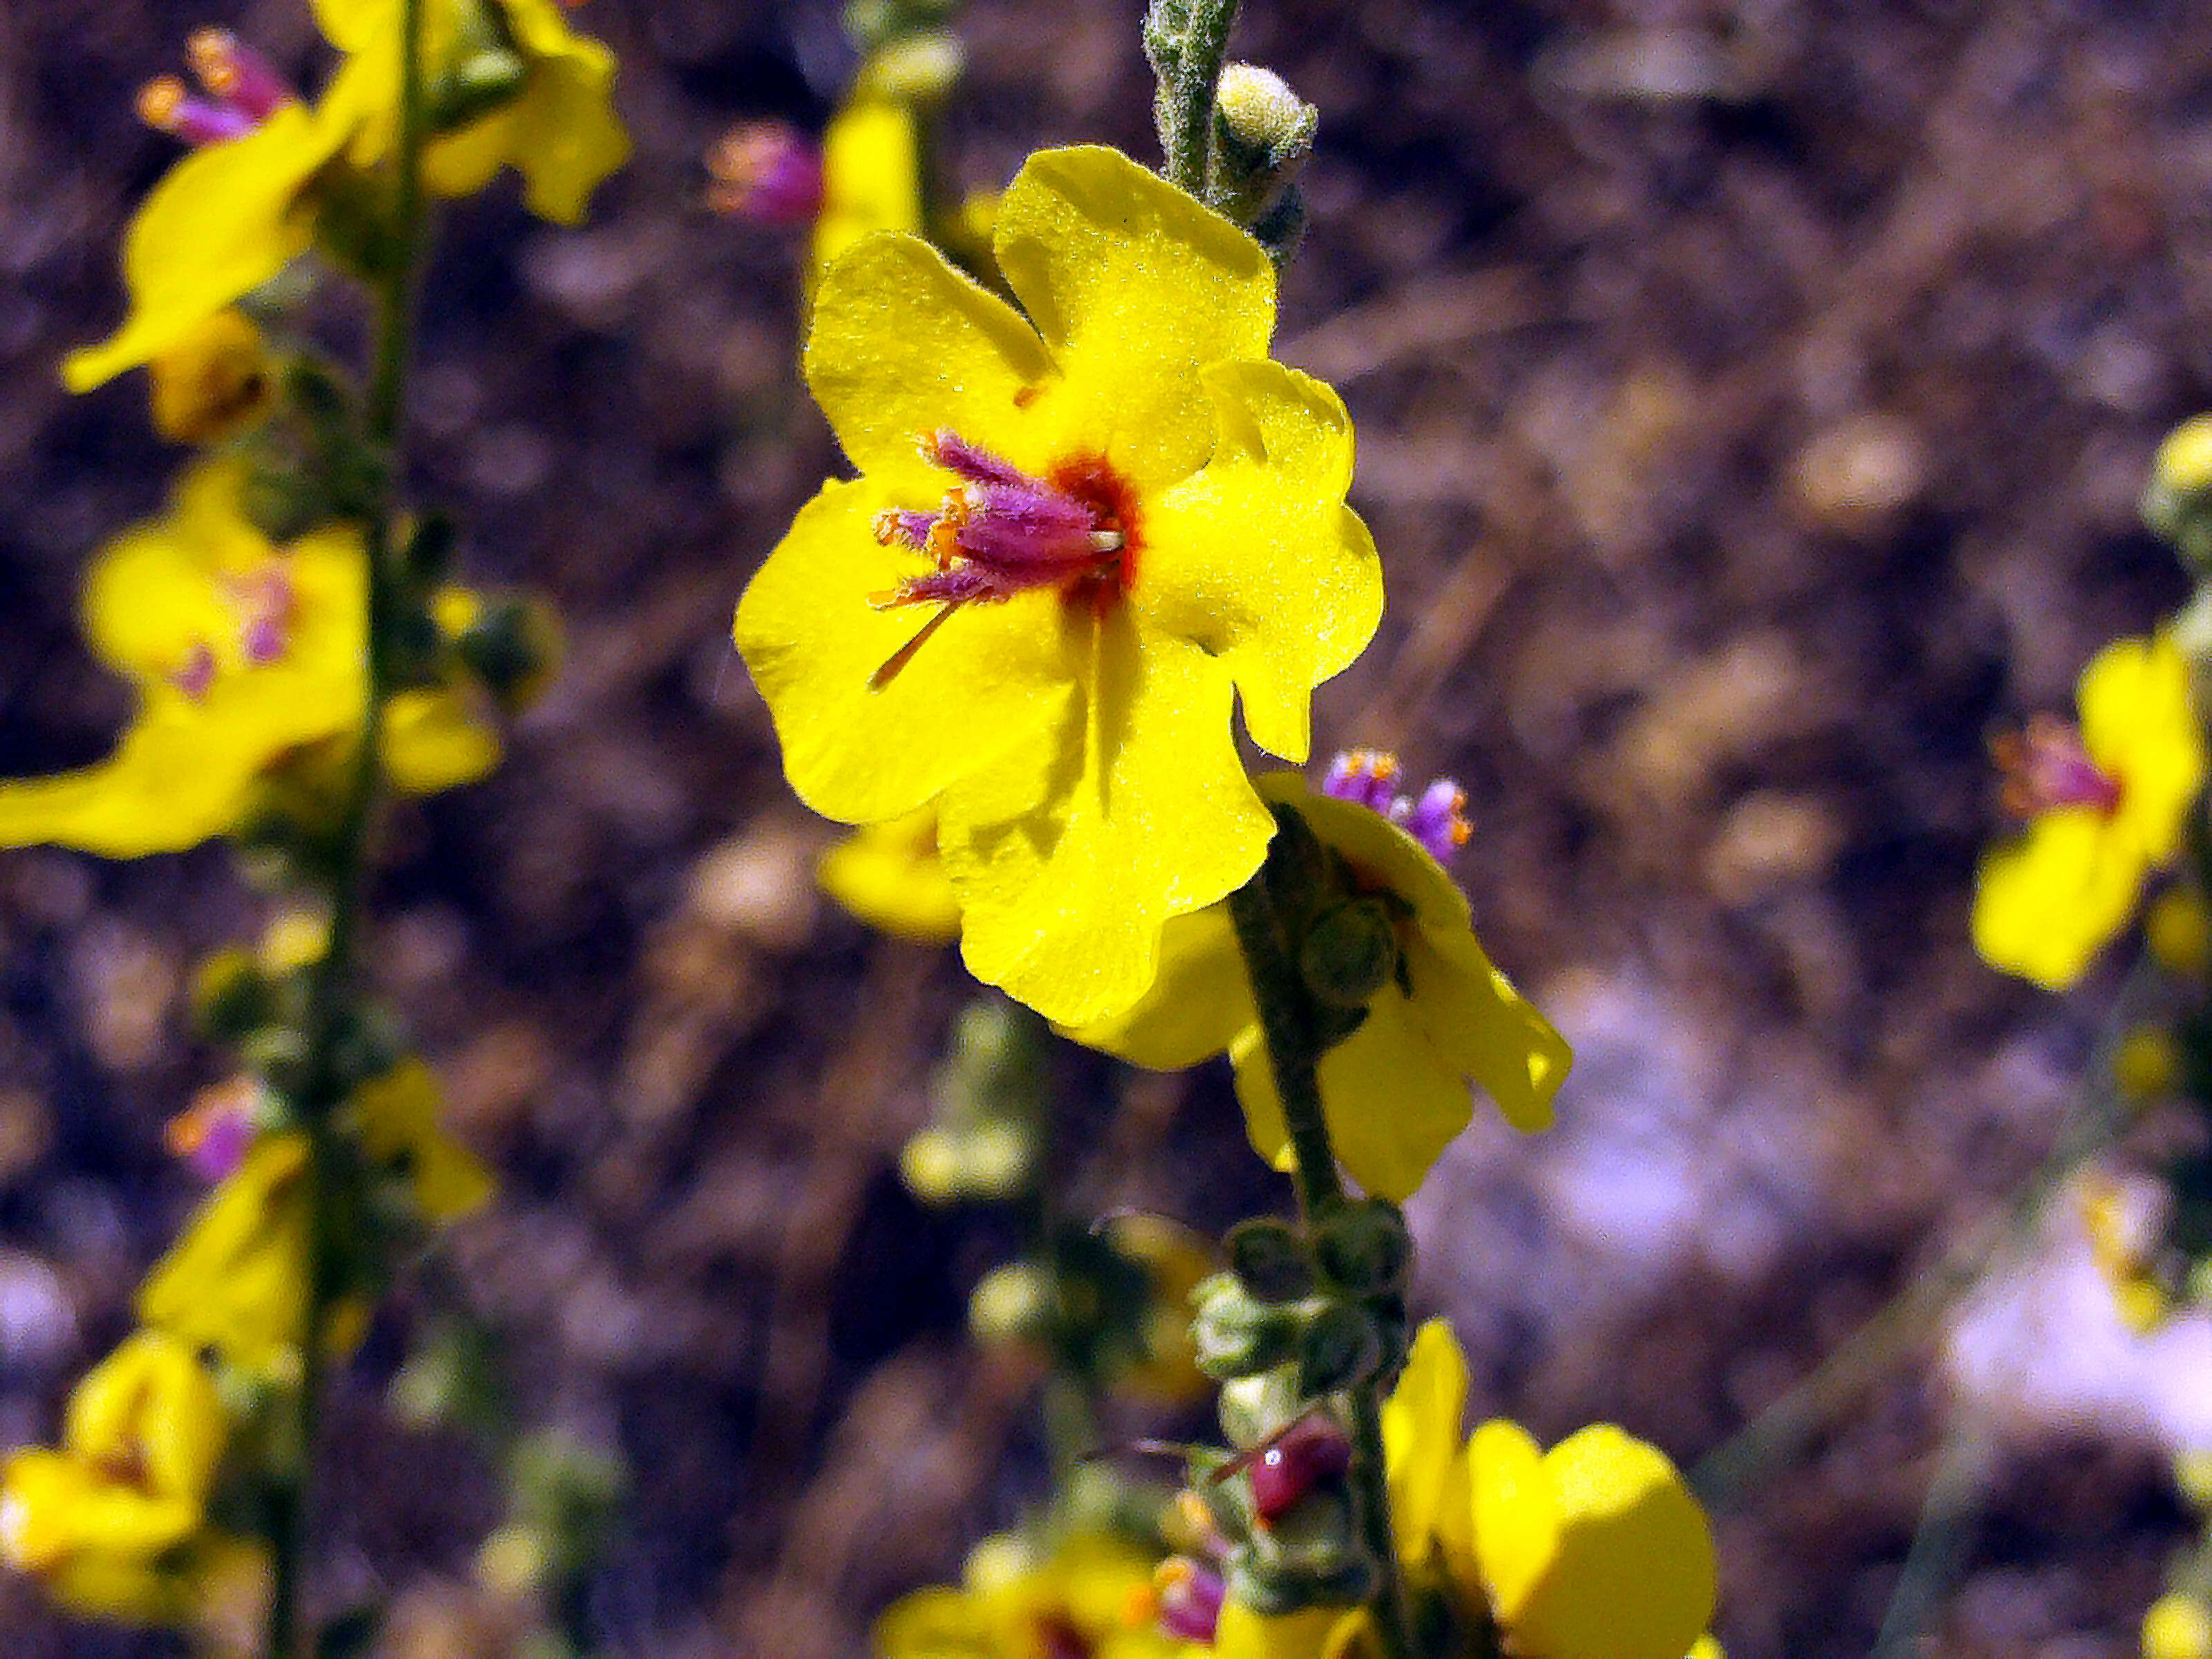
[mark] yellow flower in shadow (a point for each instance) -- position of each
(2107, 806)
(1077, 538)
(397, 1116)
(1396, 1092)
(243, 654)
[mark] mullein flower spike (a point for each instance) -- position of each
(1119, 518)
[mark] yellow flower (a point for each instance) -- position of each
(1075, 538)
(397, 1115)
(2178, 1626)
(1395, 1092)
(1088, 1595)
(889, 875)
(1593, 1550)
(555, 123)
(102, 1519)
(870, 176)
(2109, 806)
(213, 383)
(236, 1281)
(242, 653)
(231, 215)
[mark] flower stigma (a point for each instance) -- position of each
(242, 89)
(999, 531)
(2046, 768)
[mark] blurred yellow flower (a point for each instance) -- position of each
(103, 1520)
(397, 1118)
(1395, 1092)
(870, 176)
(242, 653)
(213, 383)
(2178, 1626)
(235, 1282)
(1088, 1595)
(889, 875)
(1116, 518)
(2107, 806)
(508, 84)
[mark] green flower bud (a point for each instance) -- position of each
(484, 71)
(1011, 1304)
(1316, 1538)
(514, 647)
(1338, 1346)
(231, 996)
(1365, 1248)
(1237, 1336)
(1349, 953)
(1270, 1260)
(914, 69)
(1260, 1406)
(1263, 124)
(2177, 503)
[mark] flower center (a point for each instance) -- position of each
(999, 531)
(1436, 819)
(2045, 767)
(242, 90)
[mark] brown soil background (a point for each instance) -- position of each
(1753, 401)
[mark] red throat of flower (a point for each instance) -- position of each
(1000, 532)
(2045, 767)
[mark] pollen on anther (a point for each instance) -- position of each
(162, 102)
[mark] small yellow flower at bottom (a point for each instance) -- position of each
(2107, 806)
(243, 654)
(1396, 1092)
(890, 876)
(1020, 1601)
(2178, 1626)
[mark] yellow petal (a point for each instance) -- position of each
(2044, 905)
(1136, 288)
(1257, 558)
(1392, 1103)
(560, 132)
(397, 1114)
(1146, 813)
(1481, 1027)
(1421, 1436)
(902, 345)
(93, 1538)
(437, 737)
(150, 1407)
(1312, 1633)
(1517, 1517)
(870, 176)
(1634, 1577)
(236, 1279)
(2139, 727)
(220, 224)
(889, 875)
(993, 675)
(164, 789)
(1198, 1002)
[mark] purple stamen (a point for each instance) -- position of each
(1438, 820)
(950, 451)
(1190, 1596)
(766, 172)
(238, 74)
(195, 676)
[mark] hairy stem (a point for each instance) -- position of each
(1290, 1024)
(331, 993)
(1187, 41)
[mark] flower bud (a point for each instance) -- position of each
(1312, 1451)
(1269, 127)
(231, 996)
(913, 68)
(2177, 503)
(1349, 953)
(2146, 1064)
(1365, 1248)
(1270, 1260)
(1237, 1336)
(2179, 933)
(1011, 1304)
(1256, 1408)
(514, 646)
(484, 71)
(1338, 1346)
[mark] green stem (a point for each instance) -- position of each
(1288, 1022)
(1187, 41)
(332, 988)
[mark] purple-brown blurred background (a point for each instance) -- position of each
(1753, 401)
